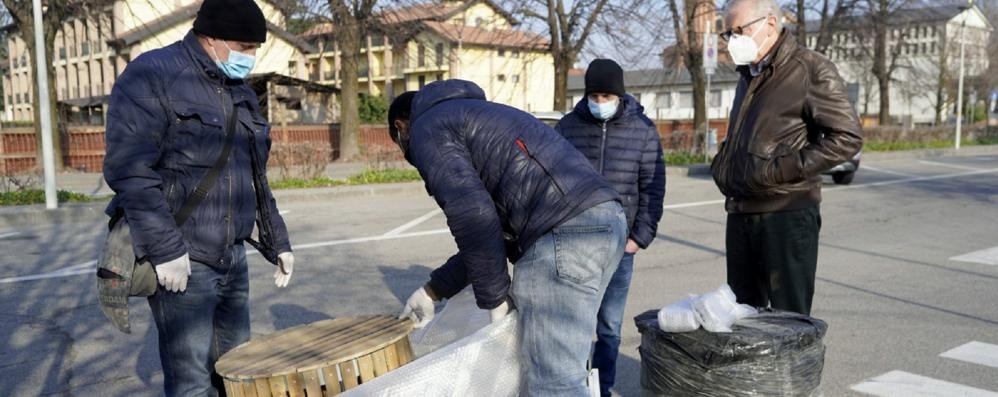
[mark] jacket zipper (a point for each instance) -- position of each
(602, 149)
(523, 147)
(228, 203)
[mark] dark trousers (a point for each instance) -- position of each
(772, 258)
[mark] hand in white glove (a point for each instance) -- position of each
(173, 275)
(285, 265)
(419, 308)
(502, 310)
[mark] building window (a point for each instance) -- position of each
(292, 66)
(421, 56)
(440, 76)
(686, 100)
(501, 77)
(479, 21)
(715, 99)
(663, 100)
(516, 78)
(440, 54)
(422, 81)
(86, 48)
(62, 53)
(502, 53)
(516, 54)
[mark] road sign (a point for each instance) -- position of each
(709, 52)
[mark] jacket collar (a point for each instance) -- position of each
(201, 59)
(779, 55)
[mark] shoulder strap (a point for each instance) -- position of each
(208, 181)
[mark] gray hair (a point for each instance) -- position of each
(760, 8)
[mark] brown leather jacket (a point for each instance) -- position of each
(788, 125)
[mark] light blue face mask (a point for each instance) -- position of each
(603, 111)
(238, 66)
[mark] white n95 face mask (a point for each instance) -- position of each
(743, 49)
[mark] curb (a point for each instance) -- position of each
(27, 215)
(929, 153)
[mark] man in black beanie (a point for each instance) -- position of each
(186, 157)
(610, 128)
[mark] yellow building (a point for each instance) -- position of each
(472, 39)
(92, 50)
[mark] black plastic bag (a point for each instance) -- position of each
(773, 353)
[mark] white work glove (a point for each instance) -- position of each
(285, 265)
(173, 275)
(419, 308)
(502, 310)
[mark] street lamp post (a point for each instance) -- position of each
(44, 112)
(959, 94)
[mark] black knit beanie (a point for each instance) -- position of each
(606, 76)
(236, 20)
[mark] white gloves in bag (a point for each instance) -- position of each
(286, 264)
(173, 275)
(419, 308)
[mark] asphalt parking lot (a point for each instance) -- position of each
(907, 281)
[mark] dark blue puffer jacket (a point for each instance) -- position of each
(165, 129)
(627, 151)
(502, 178)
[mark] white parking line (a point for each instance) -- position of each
(903, 384)
(883, 171)
(913, 179)
(945, 165)
(11, 234)
(82, 268)
(975, 352)
(986, 257)
(693, 204)
(411, 224)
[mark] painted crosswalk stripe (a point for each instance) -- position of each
(903, 384)
(975, 352)
(986, 257)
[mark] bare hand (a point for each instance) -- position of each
(632, 247)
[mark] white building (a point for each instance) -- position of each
(927, 44)
(667, 94)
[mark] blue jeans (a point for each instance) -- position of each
(199, 325)
(611, 314)
(557, 289)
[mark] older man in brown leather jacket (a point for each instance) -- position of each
(791, 120)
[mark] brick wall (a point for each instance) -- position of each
(84, 146)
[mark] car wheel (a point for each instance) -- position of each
(843, 178)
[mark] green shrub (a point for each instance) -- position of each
(684, 158)
(373, 109)
(367, 177)
(37, 196)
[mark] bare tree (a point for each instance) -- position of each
(688, 28)
(884, 28)
(568, 28)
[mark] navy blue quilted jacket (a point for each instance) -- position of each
(165, 130)
(627, 151)
(502, 178)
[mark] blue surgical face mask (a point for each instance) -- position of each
(603, 111)
(238, 66)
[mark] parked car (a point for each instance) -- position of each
(842, 174)
(549, 118)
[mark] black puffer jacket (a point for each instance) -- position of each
(502, 178)
(627, 151)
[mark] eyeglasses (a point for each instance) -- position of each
(726, 35)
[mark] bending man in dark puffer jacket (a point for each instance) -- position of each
(512, 188)
(609, 127)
